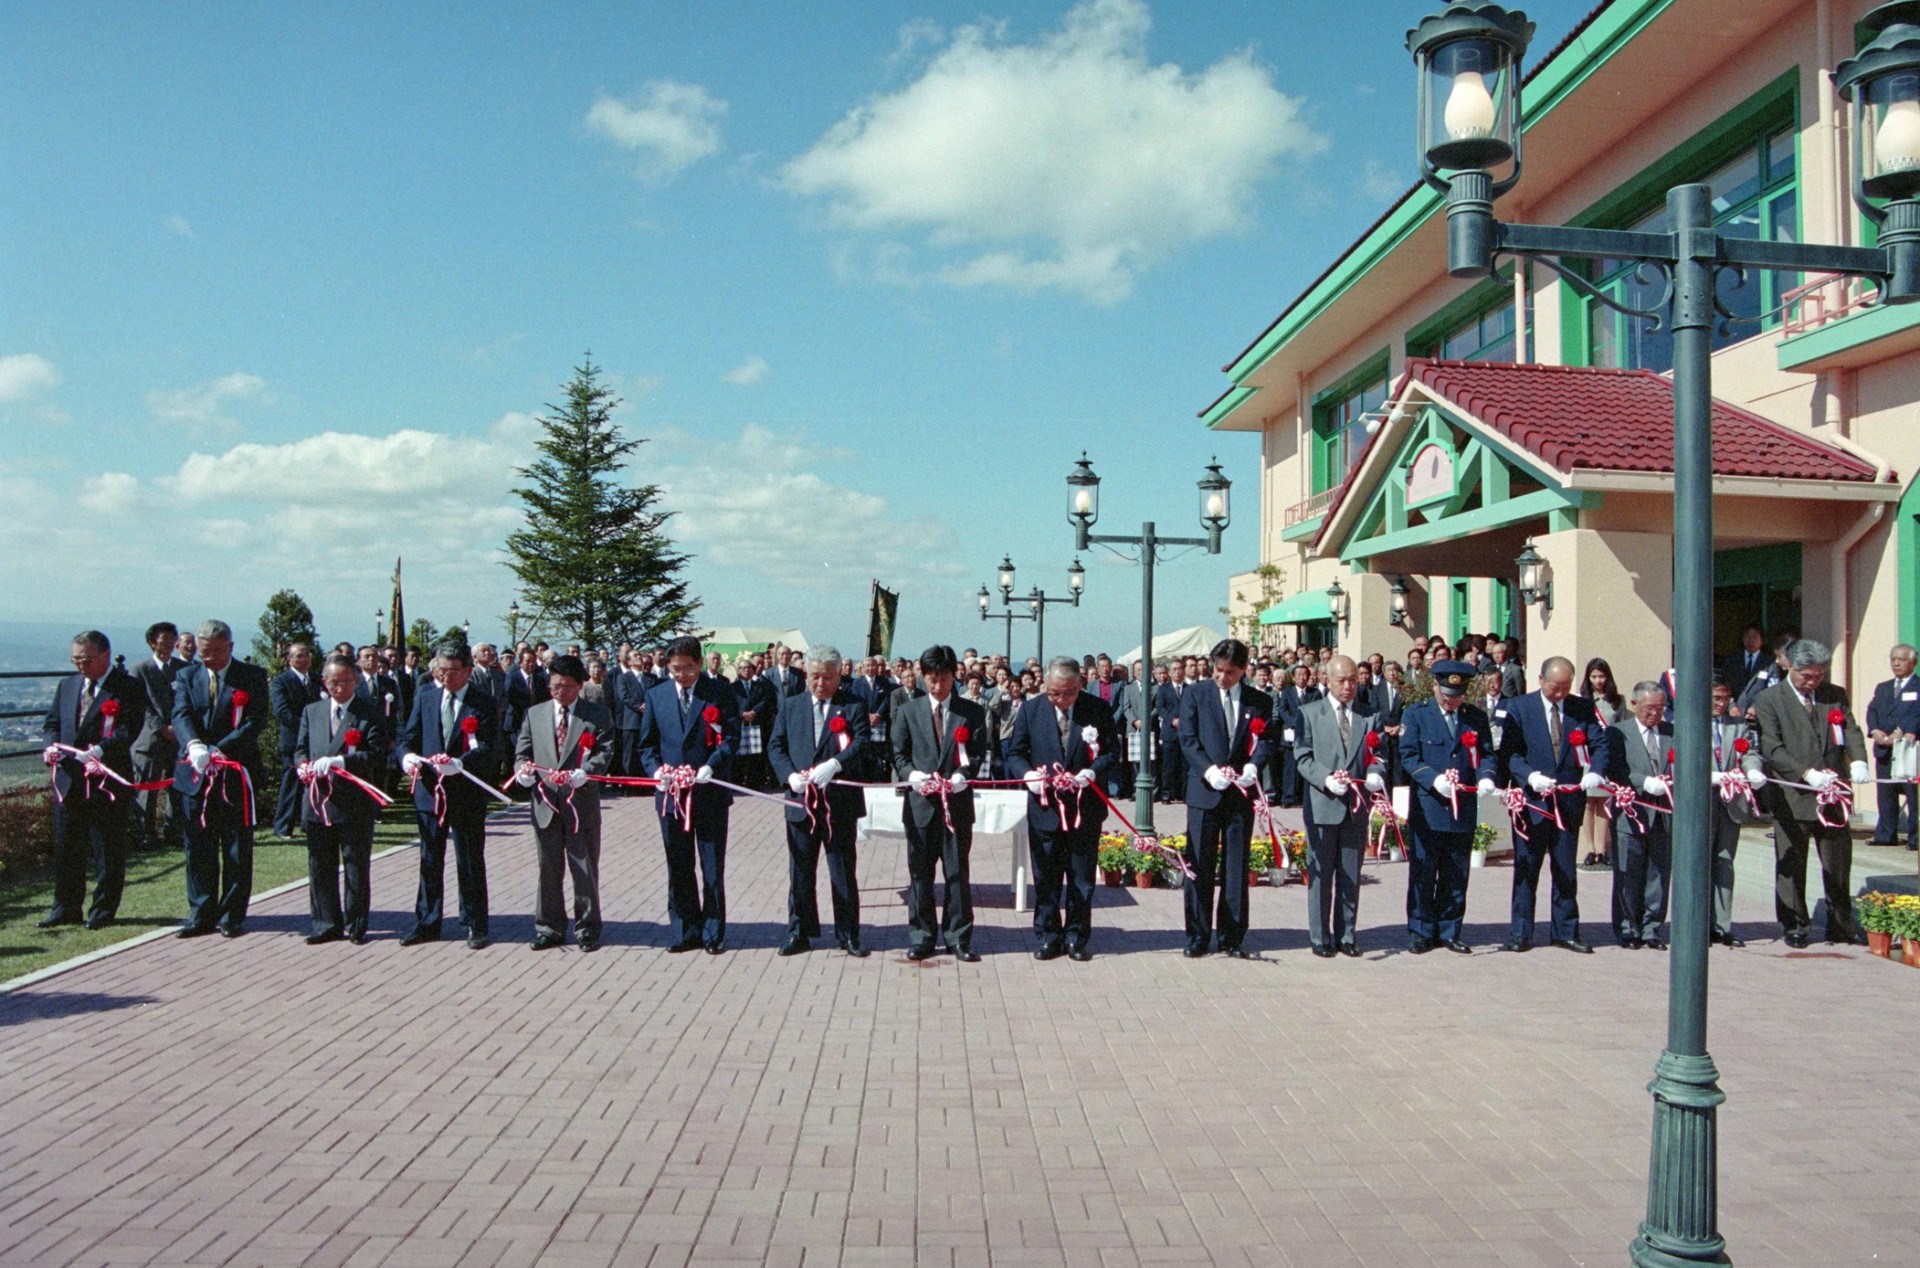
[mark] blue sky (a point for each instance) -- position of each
(283, 288)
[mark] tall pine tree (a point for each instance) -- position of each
(593, 557)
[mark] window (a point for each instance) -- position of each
(1477, 326)
(1755, 195)
(1488, 337)
(1340, 422)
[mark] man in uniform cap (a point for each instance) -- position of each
(1444, 769)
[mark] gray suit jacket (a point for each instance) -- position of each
(1725, 731)
(536, 745)
(153, 745)
(1318, 752)
(1791, 744)
(1628, 762)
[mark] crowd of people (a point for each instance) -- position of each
(167, 751)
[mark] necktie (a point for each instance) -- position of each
(819, 719)
(686, 703)
(1346, 728)
(1653, 748)
(86, 703)
(1232, 711)
(448, 707)
(560, 733)
(1066, 724)
(1553, 729)
(938, 734)
(213, 696)
(1453, 722)
(335, 728)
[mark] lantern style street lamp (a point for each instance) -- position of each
(1083, 511)
(1397, 609)
(1337, 603)
(1536, 578)
(513, 623)
(1036, 601)
(1469, 58)
(379, 617)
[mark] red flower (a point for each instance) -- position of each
(469, 726)
(1669, 757)
(1471, 739)
(1258, 727)
(352, 739)
(1837, 717)
(586, 741)
(1741, 746)
(1373, 739)
(240, 699)
(110, 708)
(1576, 737)
(710, 714)
(961, 735)
(837, 724)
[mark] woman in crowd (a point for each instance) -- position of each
(1598, 686)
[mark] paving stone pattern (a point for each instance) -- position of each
(261, 1102)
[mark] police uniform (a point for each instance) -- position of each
(1432, 749)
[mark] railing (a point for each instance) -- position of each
(8, 776)
(1301, 512)
(1822, 299)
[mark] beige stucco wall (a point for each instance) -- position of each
(1612, 597)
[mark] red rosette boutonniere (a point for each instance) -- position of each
(711, 716)
(109, 710)
(1742, 746)
(586, 742)
(838, 726)
(1373, 747)
(240, 699)
(470, 730)
(1837, 719)
(961, 735)
(352, 740)
(1256, 727)
(1578, 738)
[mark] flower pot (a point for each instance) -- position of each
(1112, 876)
(1478, 858)
(1173, 880)
(1881, 944)
(1254, 877)
(1276, 876)
(1910, 951)
(1143, 880)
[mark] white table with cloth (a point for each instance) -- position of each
(995, 810)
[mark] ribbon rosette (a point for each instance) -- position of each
(1091, 736)
(1515, 799)
(1255, 729)
(711, 716)
(1373, 748)
(240, 699)
(109, 710)
(1578, 738)
(961, 735)
(1833, 805)
(838, 726)
(1742, 747)
(584, 744)
(352, 740)
(470, 730)
(1837, 719)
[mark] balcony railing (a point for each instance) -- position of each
(1301, 512)
(1822, 299)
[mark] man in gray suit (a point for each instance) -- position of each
(1639, 755)
(1736, 762)
(1331, 752)
(554, 737)
(1802, 741)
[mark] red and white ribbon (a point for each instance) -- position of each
(219, 768)
(240, 700)
(960, 737)
(109, 710)
(1837, 721)
(94, 773)
(837, 725)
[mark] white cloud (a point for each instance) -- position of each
(749, 372)
(178, 226)
(110, 493)
(202, 410)
(670, 126)
(1068, 164)
(1381, 184)
(26, 375)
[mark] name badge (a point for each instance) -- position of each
(1909, 696)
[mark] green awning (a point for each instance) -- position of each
(1314, 605)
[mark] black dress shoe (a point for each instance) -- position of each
(685, 944)
(1630, 943)
(1855, 939)
(589, 939)
(853, 948)
(1797, 939)
(919, 953)
(716, 946)
(547, 941)
(1419, 946)
(795, 945)
(358, 937)
(966, 955)
(1520, 944)
(1656, 944)
(1457, 947)
(99, 922)
(1195, 950)
(331, 935)
(478, 942)
(419, 936)
(1052, 949)
(194, 931)
(1731, 940)
(1350, 950)
(1325, 953)
(231, 931)
(54, 922)
(1079, 954)
(1236, 952)
(1574, 945)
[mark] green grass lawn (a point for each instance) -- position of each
(155, 897)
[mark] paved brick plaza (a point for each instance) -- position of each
(263, 1102)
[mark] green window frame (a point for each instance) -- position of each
(1457, 600)
(1506, 612)
(1478, 326)
(1339, 420)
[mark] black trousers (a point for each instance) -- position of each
(1171, 778)
(1894, 826)
(286, 808)
(1642, 863)
(1546, 843)
(1218, 839)
(1437, 882)
(1790, 840)
(630, 762)
(344, 847)
(466, 831)
(697, 909)
(89, 829)
(1290, 790)
(1063, 861)
(157, 818)
(1334, 851)
(219, 858)
(951, 850)
(804, 845)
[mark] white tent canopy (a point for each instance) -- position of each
(752, 636)
(1195, 640)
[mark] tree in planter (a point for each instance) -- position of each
(594, 556)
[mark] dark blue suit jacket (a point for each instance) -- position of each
(288, 695)
(791, 748)
(1891, 710)
(422, 737)
(1528, 748)
(1035, 745)
(664, 741)
(211, 722)
(1204, 739)
(629, 701)
(1428, 747)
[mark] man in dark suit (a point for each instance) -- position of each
(1733, 809)
(1334, 765)
(1286, 714)
(1171, 777)
(343, 732)
(451, 730)
(1893, 721)
(1638, 756)
(1800, 743)
(1751, 659)
(1774, 671)
(492, 677)
(691, 729)
(787, 680)
(939, 742)
(1223, 730)
(871, 687)
(1535, 735)
(757, 704)
(1444, 773)
(564, 742)
(526, 687)
(154, 750)
(822, 734)
(1513, 679)
(288, 695)
(1066, 733)
(96, 710)
(219, 710)
(629, 689)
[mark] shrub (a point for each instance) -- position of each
(26, 831)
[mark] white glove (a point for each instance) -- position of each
(199, 756)
(1654, 786)
(958, 783)
(1217, 779)
(702, 776)
(578, 778)
(823, 773)
(1756, 778)
(324, 764)
(1720, 778)
(1542, 784)
(525, 776)
(1486, 788)
(410, 763)
(1035, 781)
(797, 780)
(1859, 771)
(1819, 779)
(917, 780)
(96, 753)
(1336, 784)
(1249, 776)
(450, 768)
(1592, 783)
(1083, 777)
(1286, 735)
(51, 755)
(1375, 783)
(1445, 782)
